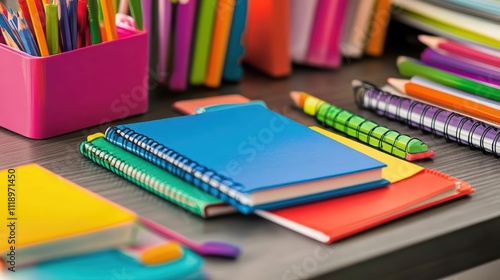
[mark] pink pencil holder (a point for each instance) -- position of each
(42, 97)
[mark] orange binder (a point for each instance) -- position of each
(220, 37)
(267, 37)
(378, 29)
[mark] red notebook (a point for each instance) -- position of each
(333, 219)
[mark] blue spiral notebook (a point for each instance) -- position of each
(251, 157)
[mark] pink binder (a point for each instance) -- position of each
(164, 22)
(183, 34)
(324, 44)
(42, 97)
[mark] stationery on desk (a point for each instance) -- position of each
(267, 37)
(188, 107)
(411, 67)
(233, 70)
(430, 95)
(442, 122)
(110, 264)
(390, 141)
(202, 41)
(164, 26)
(302, 15)
(183, 29)
(58, 235)
(332, 219)
(448, 23)
(220, 37)
(378, 29)
(324, 45)
(48, 29)
(463, 68)
(355, 35)
(235, 167)
(152, 178)
(455, 48)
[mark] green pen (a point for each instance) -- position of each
(95, 30)
(411, 67)
(136, 11)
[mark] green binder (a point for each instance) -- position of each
(152, 177)
(202, 41)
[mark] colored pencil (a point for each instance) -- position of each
(95, 31)
(8, 39)
(29, 36)
(64, 26)
(51, 14)
(136, 11)
(459, 49)
(41, 13)
(109, 20)
(3, 9)
(446, 100)
(37, 25)
(12, 18)
(26, 14)
(123, 9)
(73, 22)
(4, 23)
(13, 22)
(411, 67)
(83, 23)
(28, 45)
(462, 67)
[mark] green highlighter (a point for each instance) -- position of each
(52, 23)
(381, 137)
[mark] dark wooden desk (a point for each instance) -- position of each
(430, 244)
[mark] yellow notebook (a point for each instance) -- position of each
(396, 169)
(49, 217)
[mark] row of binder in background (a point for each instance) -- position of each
(204, 42)
(199, 41)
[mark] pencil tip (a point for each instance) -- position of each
(398, 84)
(401, 59)
(295, 96)
(430, 41)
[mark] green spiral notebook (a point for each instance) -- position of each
(152, 177)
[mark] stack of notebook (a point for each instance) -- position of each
(271, 166)
(249, 163)
(199, 42)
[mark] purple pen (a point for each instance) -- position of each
(461, 67)
(452, 126)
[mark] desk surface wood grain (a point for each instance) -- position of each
(429, 244)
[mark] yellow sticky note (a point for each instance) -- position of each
(396, 170)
